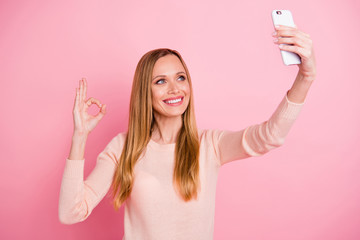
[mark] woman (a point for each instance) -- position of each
(163, 168)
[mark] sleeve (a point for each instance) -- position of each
(77, 197)
(211, 137)
(216, 135)
(261, 138)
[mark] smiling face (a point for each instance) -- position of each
(170, 87)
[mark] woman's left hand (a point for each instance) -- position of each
(301, 44)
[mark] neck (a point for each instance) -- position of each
(166, 129)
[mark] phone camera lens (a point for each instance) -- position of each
(278, 12)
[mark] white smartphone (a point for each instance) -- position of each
(284, 17)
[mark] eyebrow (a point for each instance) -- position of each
(165, 75)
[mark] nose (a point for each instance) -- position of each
(173, 87)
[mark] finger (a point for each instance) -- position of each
(280, 29)
(92, 100)
(77, 95)
(85, 88)
(76, 98)
(292, 40)
(302, 52)
(298, 40)
(88, 103)
(80, 90)
(101, 113)
(291, 33)
(284, 33)
(284, 27)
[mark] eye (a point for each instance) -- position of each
(160, 81)
(183, 77)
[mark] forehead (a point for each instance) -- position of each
(168, 65)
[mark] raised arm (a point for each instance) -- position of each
(77, 197)
(258, 139)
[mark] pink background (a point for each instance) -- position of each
(307, 189)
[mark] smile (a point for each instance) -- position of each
(174, 101)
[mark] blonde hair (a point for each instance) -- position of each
(141, 121)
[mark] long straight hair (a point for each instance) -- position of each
(186, 180)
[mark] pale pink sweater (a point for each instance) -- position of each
(154, 211)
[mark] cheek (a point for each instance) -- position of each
(156, 94)
(186, 88)
(187, 91)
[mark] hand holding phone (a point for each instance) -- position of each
(284, 17)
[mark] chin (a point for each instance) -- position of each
(170, 114)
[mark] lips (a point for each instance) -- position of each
(175, 101)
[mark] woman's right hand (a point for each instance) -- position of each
(84, 123)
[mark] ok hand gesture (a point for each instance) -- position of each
(84, 123)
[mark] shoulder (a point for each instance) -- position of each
(210, 135)
(209, 141)
(113, 148)
(117, 141)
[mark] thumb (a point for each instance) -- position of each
(102, 112)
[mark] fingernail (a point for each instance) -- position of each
(277, 26)
(274, 33)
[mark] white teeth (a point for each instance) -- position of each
(174, 101)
